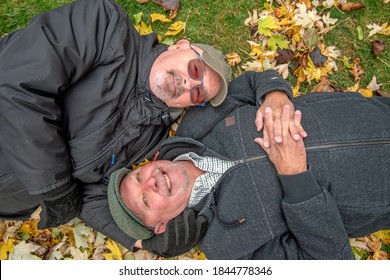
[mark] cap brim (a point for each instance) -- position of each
(127, 221)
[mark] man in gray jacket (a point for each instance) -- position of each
(288, 200)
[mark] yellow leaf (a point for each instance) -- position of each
(266, 24)
(296, 92)
(383, 235)
(5, 248)
(233, 59)
(347, 63)
(256, 51)
(354, 88)
(365, 92)
(115, 254)
(160, 17)
(176, 28)
(199, 255)
(300, 73)
(385, 29)
(145, 162)
(26, 228)
(143, 29)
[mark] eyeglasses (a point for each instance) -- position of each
(195, 70)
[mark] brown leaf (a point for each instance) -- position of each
(375, 245)
(357, 70)
(351, 6)
(170, 5)
(142, 1)
(378, 47)
(317, 57)
(304, 61)
(324, 86)
(284, 56)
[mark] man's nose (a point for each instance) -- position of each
(151, 184)
(189, 83)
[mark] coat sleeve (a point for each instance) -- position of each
(95, 213)
(251, 87)
(313, 219)
(37, 65)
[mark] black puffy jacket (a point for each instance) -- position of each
(74, 99)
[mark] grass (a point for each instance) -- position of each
(221, 23)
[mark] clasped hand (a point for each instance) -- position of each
(283, 140)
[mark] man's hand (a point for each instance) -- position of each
(276, 100)
(180, 236)
(288, 156)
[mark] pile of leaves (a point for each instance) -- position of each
(286, 36)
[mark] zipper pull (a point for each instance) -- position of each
(113, 159)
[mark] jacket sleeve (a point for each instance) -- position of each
(37, 64)
(251, 87)
(313, 219)
(95, 213)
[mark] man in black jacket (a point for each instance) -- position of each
(83, 94)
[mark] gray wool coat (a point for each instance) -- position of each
(345, 193)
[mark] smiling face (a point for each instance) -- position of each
(169, 78)
(159, 191)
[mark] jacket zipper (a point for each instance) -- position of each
(327, 146)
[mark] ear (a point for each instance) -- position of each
(161, 227)
(182, 44)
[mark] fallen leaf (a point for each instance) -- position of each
(377, 46)
(5, 248)
(374, 29)
(115, 252)
(383, 235)
(357, 70)
(365, 92)
(266, 24)
(373, 85)
(137, 18)
(170, 5)
(351, 6)
(323, 86)
(284, 56)
(376, 245)
(310, 38)
(143, 28)
(23, 251)
(305, 18)
(283, 70)
(253, 66)
(81, 234)
(233, 59)
(176, 28)
(160, 17)
(317, 57)
(142, 1)
(278, 41)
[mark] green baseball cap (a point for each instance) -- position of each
(216, 61)
(126, 220)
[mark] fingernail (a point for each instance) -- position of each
(296, 137)
(268, 109)
(278, 139)
(266, 144)
(304, 134)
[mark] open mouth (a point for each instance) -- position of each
(168, 181)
